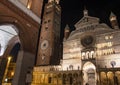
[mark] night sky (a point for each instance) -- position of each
(72, 10)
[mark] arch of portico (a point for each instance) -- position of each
(28, 32)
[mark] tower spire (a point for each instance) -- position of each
(113, 20)
(85, 11)
(66, 32)
(56, 1)
(112, 14)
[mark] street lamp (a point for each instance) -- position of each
(6, 70)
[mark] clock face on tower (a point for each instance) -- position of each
(44, 44)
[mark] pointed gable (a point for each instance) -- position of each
(88, 25)
(86, 20)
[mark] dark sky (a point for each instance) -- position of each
(72, 10)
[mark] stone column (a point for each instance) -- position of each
(25, 60)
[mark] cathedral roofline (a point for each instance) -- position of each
(95, 28)
(86, 20)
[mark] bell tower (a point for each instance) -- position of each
(49, 44)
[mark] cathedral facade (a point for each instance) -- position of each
(90, 56)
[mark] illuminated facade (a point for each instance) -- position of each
(90, 56)
(93, 48)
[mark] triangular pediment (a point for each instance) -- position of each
(86, 20)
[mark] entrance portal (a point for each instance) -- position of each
(89, 71)
(91, 76)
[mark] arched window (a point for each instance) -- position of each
(92, 54)
(87, 55)
(71, 67)
(49, 79)
(64, 78)
(83, 55)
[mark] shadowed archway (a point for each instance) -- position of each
(89, 71)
